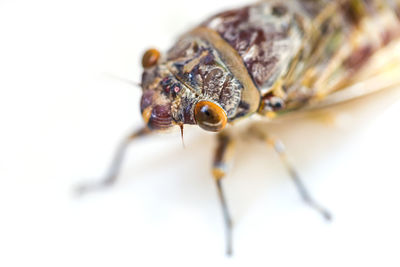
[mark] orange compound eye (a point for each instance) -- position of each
(210, 116)
(150, 58)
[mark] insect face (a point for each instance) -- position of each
(188, 86)
(166, 101)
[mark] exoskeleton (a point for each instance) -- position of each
(265, 60)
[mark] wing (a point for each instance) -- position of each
(382, 72)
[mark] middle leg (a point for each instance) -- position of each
(301, 188)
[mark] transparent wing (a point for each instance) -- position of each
(382, 72)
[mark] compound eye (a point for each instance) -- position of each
(150, 58)
(210, 116)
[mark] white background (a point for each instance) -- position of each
(62, 113)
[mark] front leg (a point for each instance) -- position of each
(113, 170)
(222, 159)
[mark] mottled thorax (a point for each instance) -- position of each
(198, 65)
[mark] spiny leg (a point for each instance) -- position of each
(113, 171)
(222, 158)
(304, 193)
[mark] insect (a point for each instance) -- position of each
(263, 61)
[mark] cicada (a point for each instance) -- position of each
(262, 61)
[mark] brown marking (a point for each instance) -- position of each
(359, 57)
(253, 41)
(233, 61)
(354, 10)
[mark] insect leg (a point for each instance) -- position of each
(222, 158)
(113, 170)
(304, 193)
